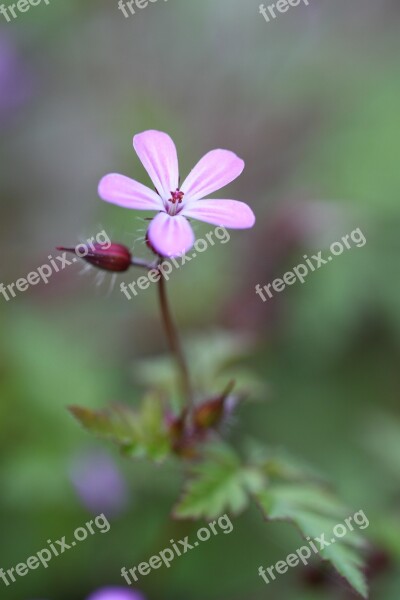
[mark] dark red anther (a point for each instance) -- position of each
(176, 196)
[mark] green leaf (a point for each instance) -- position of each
(220, 483)
(109, 423)
(152, 435)
(316, 512)
(140, 434)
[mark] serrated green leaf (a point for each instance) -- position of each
(287, 498)
(220, 483)
(139, 433)
(152, 437)
(112, 423)
(316, 512)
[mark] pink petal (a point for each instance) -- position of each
(128, 193)
(157, 152)
(215, 170)
(170, 236)
(225, 213)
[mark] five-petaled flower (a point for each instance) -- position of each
(170, 233)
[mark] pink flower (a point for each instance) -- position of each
(170, 233)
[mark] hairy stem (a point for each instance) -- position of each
(138, 262)
(174, 343)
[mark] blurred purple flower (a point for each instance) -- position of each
(99, 484)
(15, 81)
(116, 593)
(169, 233)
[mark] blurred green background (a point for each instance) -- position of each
(311, 102)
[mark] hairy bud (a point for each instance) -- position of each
(116, 257)
(210, 413)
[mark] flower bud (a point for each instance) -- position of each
(210, 413)
(116, 257)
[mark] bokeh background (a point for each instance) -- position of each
(311, 102)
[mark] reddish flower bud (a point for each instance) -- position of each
(187, 432)
(212, 411)
(209, 413)
(116, 257)
(182, 444)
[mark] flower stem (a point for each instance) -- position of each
(174, 343)
(138, 262)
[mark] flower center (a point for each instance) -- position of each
(176, 196)
(175, 201)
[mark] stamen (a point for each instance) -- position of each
(176, 196)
